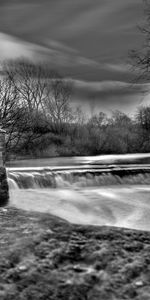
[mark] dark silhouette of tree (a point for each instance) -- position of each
(140, 58)
(33, 100)
(11, 113)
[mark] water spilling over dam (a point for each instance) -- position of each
(78, 177)
(102, 191)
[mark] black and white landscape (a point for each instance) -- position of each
(75, 165)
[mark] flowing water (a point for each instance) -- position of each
(100, 190)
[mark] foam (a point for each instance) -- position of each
(126, 206)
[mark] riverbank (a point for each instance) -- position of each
(45, 257)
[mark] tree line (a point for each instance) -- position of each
(36, 112)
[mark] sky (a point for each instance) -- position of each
(87, 41)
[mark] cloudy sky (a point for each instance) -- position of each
(85, 40)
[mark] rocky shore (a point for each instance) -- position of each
(4, 194)
(43, 257)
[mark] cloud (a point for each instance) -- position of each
(83, 39)
(64, 59)
(55, 52)
(119, 67)
(61, 57)
(110, 95)
(59, 45)
(12, 48)
(73, 33)
(102, 17)
(109, 87)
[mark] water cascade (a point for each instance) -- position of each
(86, 191)
(63, 178)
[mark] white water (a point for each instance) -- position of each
(97, 198)
(126, 206)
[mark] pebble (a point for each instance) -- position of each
(49, 231)
(69, 281)
(79, 268)
(4, 210)
(139, 283)
(22, 268)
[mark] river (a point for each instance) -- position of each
(106, 190)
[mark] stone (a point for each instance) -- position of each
(22, 268)
(139, 283)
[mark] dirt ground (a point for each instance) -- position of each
(43, 257)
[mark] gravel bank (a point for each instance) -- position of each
(45, 258)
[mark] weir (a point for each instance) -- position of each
(95, 194)
(33, 178)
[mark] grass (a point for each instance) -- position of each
(43, 257)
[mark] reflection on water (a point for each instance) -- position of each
(86, 191)
(143, 158)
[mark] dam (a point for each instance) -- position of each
(102, 190)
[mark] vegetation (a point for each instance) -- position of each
(140, 58)
(36, 112)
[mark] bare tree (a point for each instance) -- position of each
(35, 99)
(21, 94)
(30, 82)
(11, 114)
(57, 103)
(140, 59)
(98, 120)
(119, 119)
(41, 91)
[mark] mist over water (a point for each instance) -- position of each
(105, 190)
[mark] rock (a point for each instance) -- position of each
(22, 268)
(49, 231)
(139, 283)
(78, 268)
(69, 281)
(103, 275)
(4, 210)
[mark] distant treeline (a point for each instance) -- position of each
(36, 113)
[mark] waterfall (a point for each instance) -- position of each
(27, 178)
(116, 195)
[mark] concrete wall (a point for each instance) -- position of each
(4, 193)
